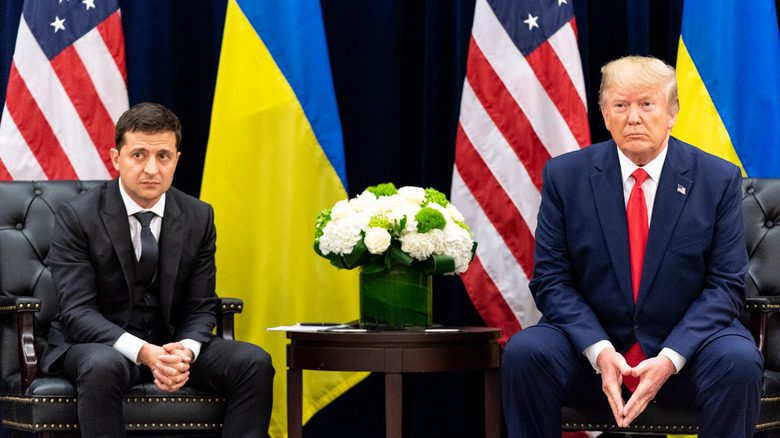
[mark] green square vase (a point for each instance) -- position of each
(395, 299)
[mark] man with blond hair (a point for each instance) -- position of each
(639, 273)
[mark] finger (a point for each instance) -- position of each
(170, 347)
(161, 378)
(615, 399)
(170, 358)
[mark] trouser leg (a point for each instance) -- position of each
(541, 370)
(244, 374)
(724, 380)
(101, 376)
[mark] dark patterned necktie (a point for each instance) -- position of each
(147, 264)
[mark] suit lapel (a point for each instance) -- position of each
(171, 241)
(114, 216)
(610, 205)
(669, 201)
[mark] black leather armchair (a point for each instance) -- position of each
(46, 405)
(761, 208)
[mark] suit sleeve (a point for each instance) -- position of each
(199, 301)
(75, 281)
(553, 285)
(723, 290)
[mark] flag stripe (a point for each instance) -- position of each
(489, 301)
(98, 58)
(506, 115)
(66, 92)
(505, 166)
(111, 32)
(499, 264)
(77, 84)
(35, 129)
(22, 164)
(523, 102)
(561, 90)
(493, 201)
(4, 175)
(514, 71)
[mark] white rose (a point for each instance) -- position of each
(340, 210)
(413, 194)
(377, 240)
(454, 213)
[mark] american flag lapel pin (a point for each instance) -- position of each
(680, 189)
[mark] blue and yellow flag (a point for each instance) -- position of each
(275, 158)
(728, 73)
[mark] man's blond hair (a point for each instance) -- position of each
(640, 71)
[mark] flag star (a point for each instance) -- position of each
(58, 24)
(531, 21)
(89, 3)
(562, 2)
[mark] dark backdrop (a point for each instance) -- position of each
(398, 68)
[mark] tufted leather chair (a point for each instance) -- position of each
(46, 405)
(761, 208)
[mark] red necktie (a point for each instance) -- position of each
(636, 215)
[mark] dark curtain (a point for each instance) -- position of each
(398, 67)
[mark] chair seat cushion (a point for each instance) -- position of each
(50, 405)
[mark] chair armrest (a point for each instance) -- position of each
(226, 309)
(24, 308)
(759, 309)
(762, 304)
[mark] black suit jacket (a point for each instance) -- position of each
(93, 267)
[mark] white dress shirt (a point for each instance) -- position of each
(128, 344)
(653, 169)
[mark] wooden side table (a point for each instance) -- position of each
(394, 353)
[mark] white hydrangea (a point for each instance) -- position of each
(458, 243)
(419, 246)
(415, 195)
(340, 210)
(377, 240)
(341, 235)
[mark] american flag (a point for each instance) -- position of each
(523, 102)
(66, 89)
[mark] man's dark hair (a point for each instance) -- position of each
(150, 118)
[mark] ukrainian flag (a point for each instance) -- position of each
(275, 158)
(728, 73)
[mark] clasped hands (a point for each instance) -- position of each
(170, 364)
(652, 374)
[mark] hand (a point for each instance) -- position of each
(652, 374)
(613, 367)
(170, 370)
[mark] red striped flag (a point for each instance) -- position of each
(66, 89)
(523, 102)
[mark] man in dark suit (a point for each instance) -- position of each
(132, 309)
(639, 274)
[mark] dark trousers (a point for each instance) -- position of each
(240, 371)
(541, 372)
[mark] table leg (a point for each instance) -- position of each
(294, 403)
(393, 405)
(492, 403)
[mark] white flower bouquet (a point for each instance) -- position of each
(383, 226)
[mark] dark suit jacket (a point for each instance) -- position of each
(93, 266)
(692, 286)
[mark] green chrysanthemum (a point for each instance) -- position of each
(384, 189)
(322, 219)
(429, 219)
(435, 196)
(380, 222)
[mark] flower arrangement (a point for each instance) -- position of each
(384, 225)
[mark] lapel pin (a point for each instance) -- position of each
(680, 189)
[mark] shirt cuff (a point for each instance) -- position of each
(592, 353)
(677, 359)
(194, 346)
(129, 345)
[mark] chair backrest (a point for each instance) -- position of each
(27, 210)
(761, 208)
